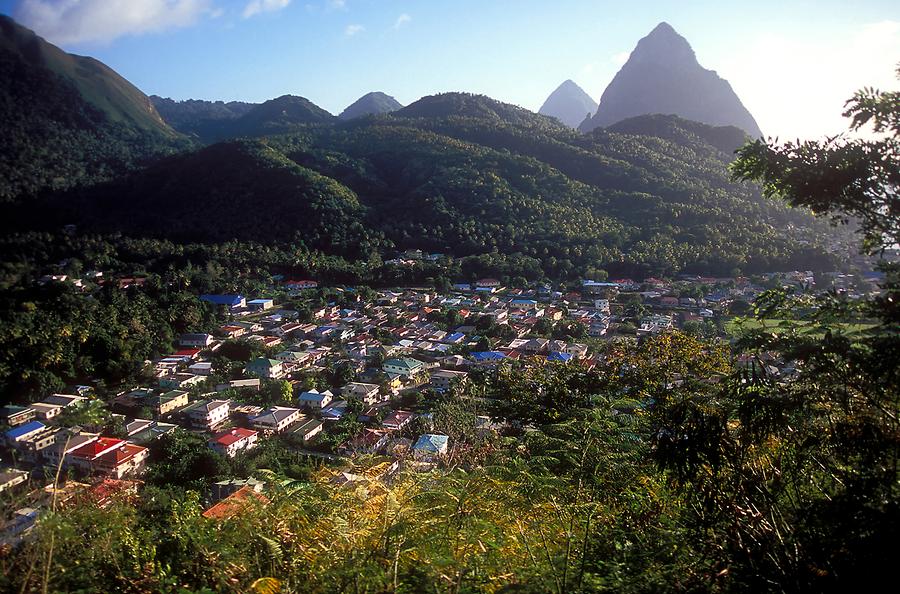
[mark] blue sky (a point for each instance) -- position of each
(792, 63)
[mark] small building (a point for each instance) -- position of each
(33, 445)
(369, 441)
(536, 345)
(21, 432)
(128, 460)
(335, 410)
(11, 477)
(275, 419)
(66, 443)
(264, 367)
(398, 420)
(405, 367)
(195, 340)
(222, 489)
(179, 380)
(443, 379)
(239, 384)
(307, 429)
(207, 414)
(300, 285)
(16, 415)
(64, 400)
(523, 304)
(239, 502)
(229, 443)
(103, 456)
(203, 368)
(431, 446)
(166, 404)
(46, 410)
(488, 357)
(315, 400)
(260, 304)
(232, 302)
(368, 393)
(151, 432)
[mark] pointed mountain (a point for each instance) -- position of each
(662, 75)
(68, 120)
(569, 104)
(371, 103)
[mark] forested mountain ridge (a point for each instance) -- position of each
(662, 76)
(192, 115)
(275, 116)
(467, 175)
(67, 119)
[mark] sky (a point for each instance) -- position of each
(792, 63)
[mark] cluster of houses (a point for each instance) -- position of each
(393, 346)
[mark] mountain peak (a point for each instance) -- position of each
(664, 45)
(663, 28)
(375, 102)
(662, 75)
(569, 104)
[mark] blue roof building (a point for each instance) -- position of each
(430, 445)
(454, 338)
(17, 433)
(227, 300)
(559, 356)
(488, 356)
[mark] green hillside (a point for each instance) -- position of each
(240, 190)
(653, 199)
(68, 120)
(284, 114)
(193, 116)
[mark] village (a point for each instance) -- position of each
(271, 372)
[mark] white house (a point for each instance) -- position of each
(275, 419)
(229, 443)
(208, 414)
(315, 400)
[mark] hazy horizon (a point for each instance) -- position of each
(791, 64)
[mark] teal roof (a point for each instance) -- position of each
(405, 363)
(431, 442)
(263, 362)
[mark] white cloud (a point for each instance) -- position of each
(403, 19)
(620, 58)
(259, 6)
(796, 87)
(85, 21)
(337, 4)
(351, 30)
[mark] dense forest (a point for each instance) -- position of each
(651, 197)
